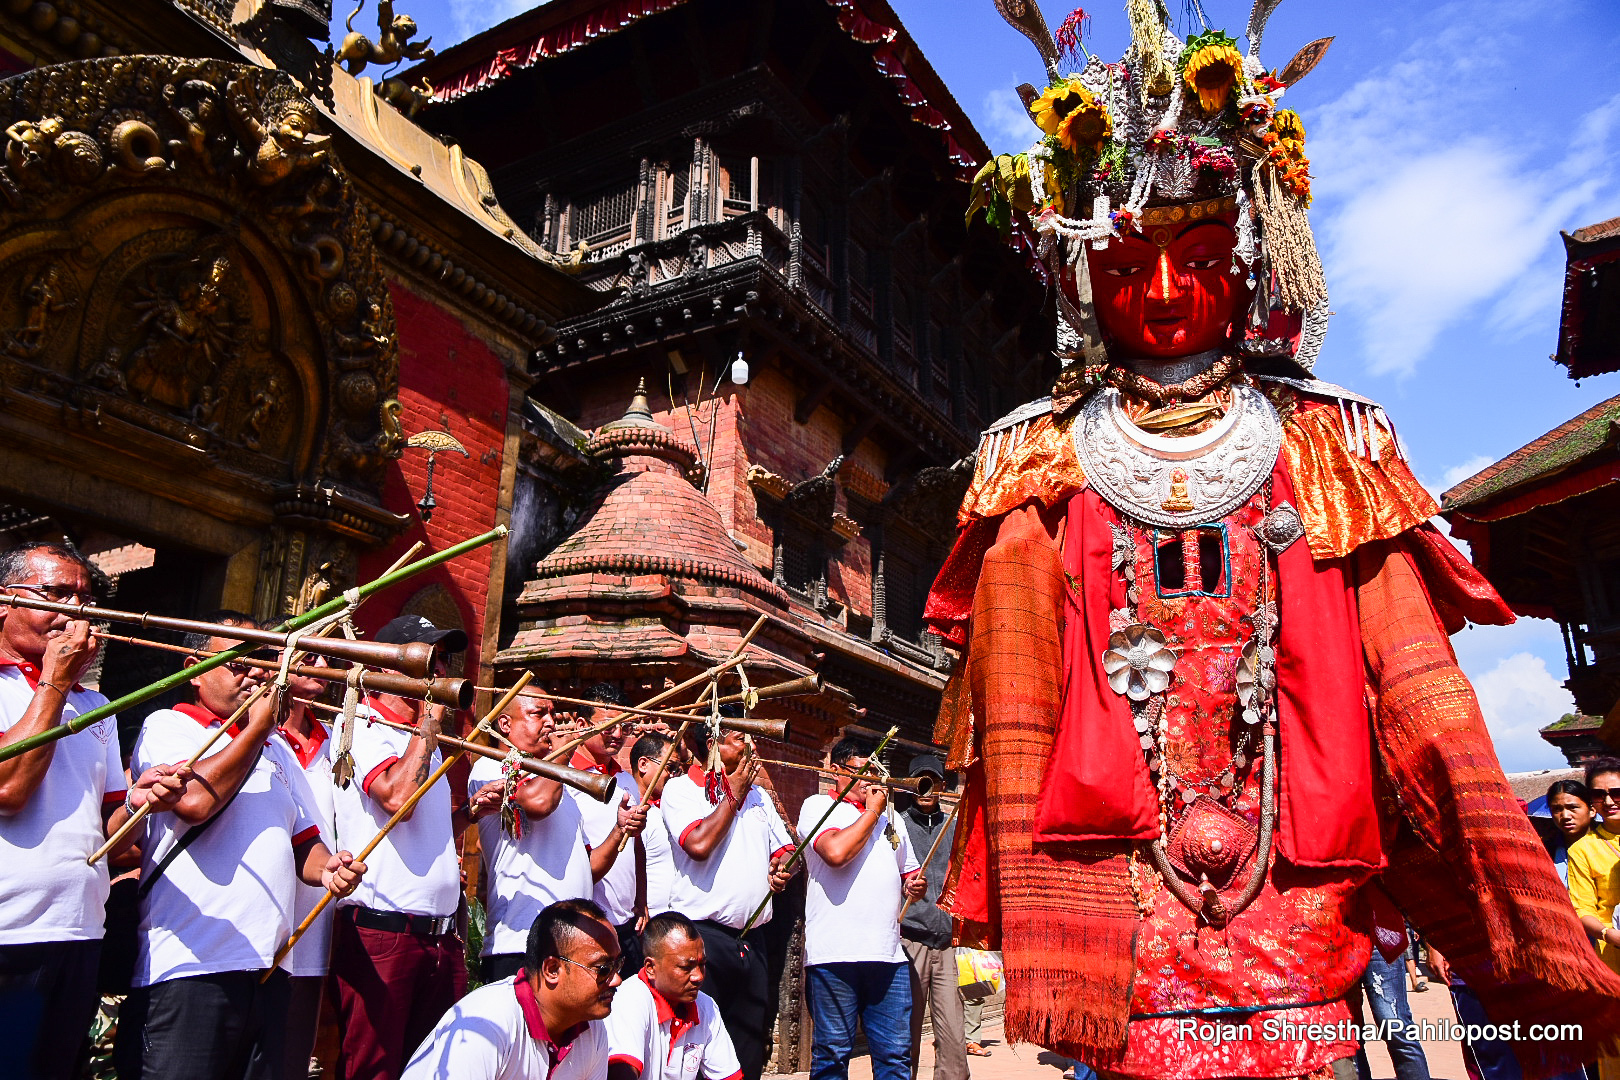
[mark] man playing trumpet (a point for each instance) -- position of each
(57, 805)
(218, 885)
(861, 868)
(532, 838)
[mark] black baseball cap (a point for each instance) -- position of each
(927, 763)
(408, 628)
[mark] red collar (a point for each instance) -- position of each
(204, 716)
(857, 804)
(680, 1020)
(583, 760)
(558, 1047)
(29, 672)
(306, 749)
(697, 774)
(387, 713)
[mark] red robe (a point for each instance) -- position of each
(1385, 768)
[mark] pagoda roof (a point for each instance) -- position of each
(562, 26)
(650, 519)
(1569, 451)
(1589, 325)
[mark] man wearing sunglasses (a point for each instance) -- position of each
(545, 1021)
(57, 804)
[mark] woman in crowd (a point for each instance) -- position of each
(1594, 874)
(1570, 804)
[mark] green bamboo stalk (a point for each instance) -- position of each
(804, 841)
(169, 682)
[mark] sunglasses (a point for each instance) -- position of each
(603, 972)
(1610, 793)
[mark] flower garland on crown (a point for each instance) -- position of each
(1081, 150)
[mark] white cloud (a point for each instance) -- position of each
(1519, 696)
(1441, 193)
(1458, 473)
(1009, 128)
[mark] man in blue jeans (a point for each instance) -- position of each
(861, 870)
(1384, 986)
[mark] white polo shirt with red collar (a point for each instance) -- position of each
(660, 859)
(847, 908)
(497, 1033)
(226, 902)
(728, 885)
(661, 1041)
(310, 955)
(548, 861)
(615, 892)
(47, 890)
(414, 870)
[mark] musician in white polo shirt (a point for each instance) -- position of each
(862, 869)
(730, 850)
(646, 765)
(621, 880)
(307, 738)
(536, 855)
(397, 962)
(219, 878)
(542, 1023)
(663, 1027)
(57, 804)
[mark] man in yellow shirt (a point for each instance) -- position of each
(1594, 862)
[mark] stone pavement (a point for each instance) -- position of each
(1026, 1061)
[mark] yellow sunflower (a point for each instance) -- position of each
(1056, 102)
(1211, 72)
(1288, 126)
(1087, 127)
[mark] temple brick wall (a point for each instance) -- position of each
(450, 379)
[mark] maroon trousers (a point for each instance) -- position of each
(391, 990)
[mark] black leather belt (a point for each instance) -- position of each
(398, 922)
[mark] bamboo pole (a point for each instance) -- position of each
(398, 816)
(169, 682)
(146, 807)
(923, 869)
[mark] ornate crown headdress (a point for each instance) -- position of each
(1176, 130)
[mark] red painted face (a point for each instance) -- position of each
(1170, 292)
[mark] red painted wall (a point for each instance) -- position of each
(449, 379)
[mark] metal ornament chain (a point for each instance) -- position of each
(1256, 719)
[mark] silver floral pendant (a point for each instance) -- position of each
(1138, 662)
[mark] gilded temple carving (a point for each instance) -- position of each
(192, 261)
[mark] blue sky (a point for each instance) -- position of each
(1450, 143)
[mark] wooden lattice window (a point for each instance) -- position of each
(604, 216)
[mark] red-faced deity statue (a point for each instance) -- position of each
(1169, 292)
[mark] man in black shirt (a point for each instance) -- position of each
(926, 933)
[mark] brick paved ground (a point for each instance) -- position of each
(1026, 1061)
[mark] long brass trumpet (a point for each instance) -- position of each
(915, 785)
(597, 785)
(414, 659)
(763, 729)
(456, 693)
(801, 687)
